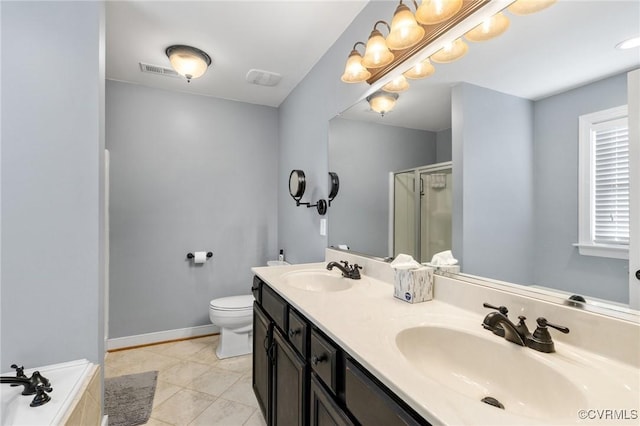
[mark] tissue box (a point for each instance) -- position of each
(414, 285)
(452, 269)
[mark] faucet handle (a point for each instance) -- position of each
(345, 263)
(543, 323)
(502, 309)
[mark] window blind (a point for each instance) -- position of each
(610, 188)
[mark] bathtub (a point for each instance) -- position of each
(69, 381)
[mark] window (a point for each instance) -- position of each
(604, 184)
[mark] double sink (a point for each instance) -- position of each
(456, 353)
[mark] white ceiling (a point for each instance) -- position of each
(570, 44)
(286, 37)
(567, 45)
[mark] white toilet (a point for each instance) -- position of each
(234, 316)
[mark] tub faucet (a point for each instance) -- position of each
(348, 271)
(37, 385)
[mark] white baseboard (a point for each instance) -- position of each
(161, 336)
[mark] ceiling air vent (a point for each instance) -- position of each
(157, 69)
(263, 78)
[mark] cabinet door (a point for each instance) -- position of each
(324, 411)
(289, 384)
(262, 330)
(371, 404)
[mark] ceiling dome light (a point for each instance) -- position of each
(489, 29)
(629, 43)
(188, 61)
(397, 85)
(405, 31)
(382, 102)
(421, 70)
(354, 71)
(433, 12)
(450, 52)
(526, 7)
(377, 54)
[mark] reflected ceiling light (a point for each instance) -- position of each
(450, 52)
(525, 7)
(382, 102)
(405, 31)
(433, 12)
(354, 71)
(377, 54)
(489, 29)
(421, 70)
(397, 85)
(188, 61)
(629, 43)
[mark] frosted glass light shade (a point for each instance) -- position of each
(489, 29)
(433, 12)
(526, 7)
(451, 52)
(377, 54)
(188, 61)
(382, 102)
(397, 85)
(421, 70)
(405, 31)
(354, 71)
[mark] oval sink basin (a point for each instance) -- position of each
(483, 368)
(318, 280)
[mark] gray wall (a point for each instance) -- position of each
(443, 146)
(493, 191)
(188, 173)
(363, 155)
(304, 133)
(52, 182)
(556, 194)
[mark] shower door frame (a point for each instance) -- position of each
(417, 171)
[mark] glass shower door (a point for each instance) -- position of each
(435, 213)
(404, 215)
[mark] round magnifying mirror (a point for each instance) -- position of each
(334, 185)
(297, 184)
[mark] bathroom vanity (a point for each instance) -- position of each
(331, 350)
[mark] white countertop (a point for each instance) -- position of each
(365, 319)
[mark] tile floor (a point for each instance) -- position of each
(194, 386)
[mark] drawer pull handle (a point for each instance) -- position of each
(292, 332)
(254, 288)
(315, 360)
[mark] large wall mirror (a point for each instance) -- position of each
(506, 115)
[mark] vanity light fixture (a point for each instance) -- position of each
(397, 85)
(489, 29)
(422, 70)
(382, 102)
(450, 52)
(405, 31)
(354, 71)
(188, 61)
(526, 7)
(377, 53)
(433, 12)
(297, 186)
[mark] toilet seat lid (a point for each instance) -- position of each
(232, 303)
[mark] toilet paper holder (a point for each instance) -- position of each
(190, 255)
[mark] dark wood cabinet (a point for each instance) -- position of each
(289, 402)
(302, 377)
(261, 380)
(324, 411)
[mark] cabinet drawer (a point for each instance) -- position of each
(370, 403)
(298, 333)
(324, 359)
(275, 306)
